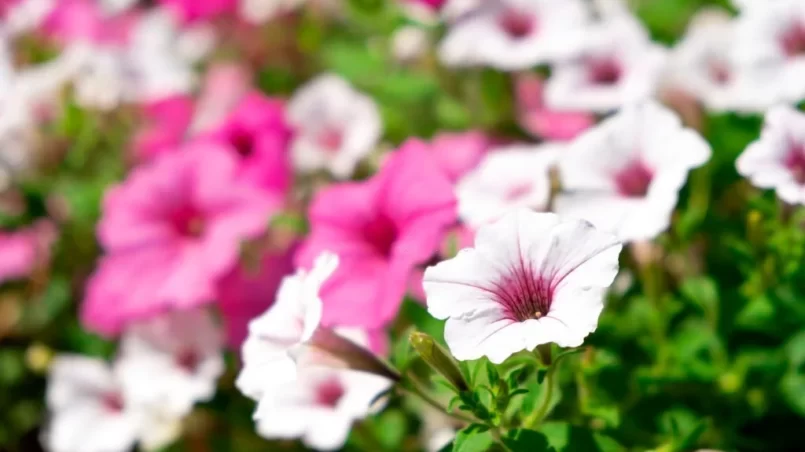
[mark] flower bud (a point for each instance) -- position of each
(438, 359)
(328, 348)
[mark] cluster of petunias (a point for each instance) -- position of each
(163, 367)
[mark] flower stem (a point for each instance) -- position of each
(531, 421)
(415, 389)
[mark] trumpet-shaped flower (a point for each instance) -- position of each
(335, 126)
(171, 231)
(381, 230)
(777, 159)
(530, 279)
(515, 34)
(172, 361)
(618, 65)
(506, 179)
(624, 175)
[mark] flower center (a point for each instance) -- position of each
(795, 161)
(381, 233)
(329, 393)
(524, 295)
(604, 70)
(113, 402)
(634, 179)
(719, 72)
(330, 139)
(792, 40)
(188, 223)
(516, 24)
(187, 360)
(243, 142)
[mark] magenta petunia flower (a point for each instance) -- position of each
(198, 10)
(23, 250)
(458, 153)
(381, 230)
(171, 231)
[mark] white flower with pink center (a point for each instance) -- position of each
(172, 361)
(530, 279)
(777, 159)
(89, 410)
(515, 34)
(618, 65)
(283, 329)
(506, 179)
(772, 34)
(702, 65)
(336, 126)
(319, 407)
(624, 175)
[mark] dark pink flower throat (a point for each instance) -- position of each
(329, 393)
(795, 161)
(524, 294)
(634, 179)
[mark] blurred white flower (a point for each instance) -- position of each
(409, 43)
(89, 411)
(320, 406)
(173, 361)
(624, 175)
(702, 64)
(286, 326)
(530, 279)
(103, 79)
(335, 125)
(116, 6)
(259, 11)
(515, 34)
(25, 15)
(772, 34)
(777, 159)
(506, 179)
(618, 65)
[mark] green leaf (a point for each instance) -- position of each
(473, 438)
(492, 375)
(390, 429)
(524, 440)
(565, 437)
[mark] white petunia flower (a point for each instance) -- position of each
(506, 179)
(702, 65)
(516, 34)
(25, 15)
(619, 64)
(777, 159)
(319, 407)
(624, 175)
(530, 279)
(772, 34)
(286, 326)
(336, 126)
(259, 11)
(409, 43)
(89, 411)
(172, 361)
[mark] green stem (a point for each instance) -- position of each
(415, 389)
(546, 402)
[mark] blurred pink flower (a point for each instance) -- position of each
(23, 250)
(458, 153)
(257, 133)
(540, 121)
(173, 119)
(85, 21)
(381, 229)
(244, 294)
(433, 4)
(196, 10)
(171, 231)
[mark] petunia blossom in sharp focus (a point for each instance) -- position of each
(171, 231)
(89, 411)
(381, 230)
(777, 159)
(515, 34)
(506, 179)
(624, 175)
(335, 126)
(285, 326)
(530, 279)
(172, 361)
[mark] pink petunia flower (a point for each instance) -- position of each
(199, 10)
(381, 229)
(168, 120)
(171, 231)
(458, 153)
(23, 250)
